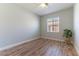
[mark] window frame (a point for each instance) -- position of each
(51, 18)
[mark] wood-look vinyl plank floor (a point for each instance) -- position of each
(41, 47)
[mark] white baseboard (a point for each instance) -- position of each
(77, 50)
(16, 44)
(51, 38)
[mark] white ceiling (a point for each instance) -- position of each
(52, 7)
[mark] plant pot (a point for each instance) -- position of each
(68, 41)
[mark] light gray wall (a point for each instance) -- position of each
(66, 21)
(76, 27)
(17, 24)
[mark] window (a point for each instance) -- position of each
(53, 24)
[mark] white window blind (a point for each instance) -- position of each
(53, 24)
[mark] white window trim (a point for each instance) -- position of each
(58, 23)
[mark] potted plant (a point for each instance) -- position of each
(67, 35)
